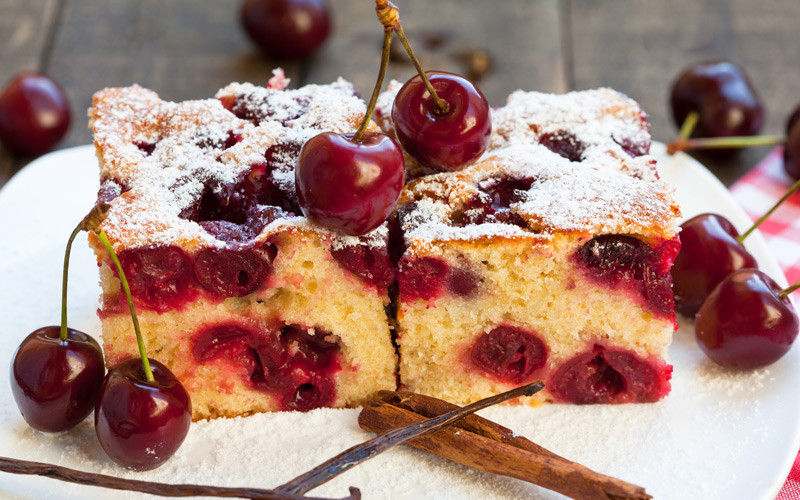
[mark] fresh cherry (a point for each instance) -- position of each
(444, 139)
(791, 150)
(349, 185)
(747, 321)
(56, 371)
(286, 29)
(143, 412)
(709, 253)
(141, 423)
(55, 382)
(34, 114)
(721, 93)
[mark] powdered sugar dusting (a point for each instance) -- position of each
(160, 158)
(585, 157)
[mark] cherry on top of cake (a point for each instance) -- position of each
(212, 172)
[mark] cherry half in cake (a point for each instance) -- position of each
(294, 364)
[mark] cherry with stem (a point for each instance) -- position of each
(711, 249)
(56, 371)
(351, 182)
(440, 119)
(143, 412)
(747, 321)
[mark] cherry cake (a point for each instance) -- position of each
(251, 306)
(548, 259)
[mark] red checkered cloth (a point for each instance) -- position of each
(756, 192)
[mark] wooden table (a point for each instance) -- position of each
(187, 49)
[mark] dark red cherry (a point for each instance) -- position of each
(791, 151)
(55, 383)
(744, 323)
(722, 95)
(371, 264)
(709, 253)
(286, 29)
(230, 273)
(347, 185)
(792, 120)
(509, 354)
(160, 277)
(448, 140)
(34, 114)
(609, 376)
(422, 278)
(141, 424)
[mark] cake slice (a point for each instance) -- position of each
(549, 260)
(251, 306)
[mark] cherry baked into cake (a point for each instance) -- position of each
(251, 306)
(547, 259)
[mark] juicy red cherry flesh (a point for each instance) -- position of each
(372, 264)
(349, 186)
(709, 253)
(722, 95)
(286, 29)
(296, 366)
(424, 278)
(230, 272)
(744, 324)
(445, 141)
(610, 376)
(34, 114)
(791, 151)
(620, 260)
(141, 424)
(160, 278)
(509, 354)
(55, 383)
(564, 143)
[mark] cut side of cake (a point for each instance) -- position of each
(251, 306)
(547, 260)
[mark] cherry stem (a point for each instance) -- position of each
(441, 105)
(387, 43)
(72, 236)
(390, 18)
(95, 216)
(682, 144)
(142, 352)
(791, 190)
(787, 291)
(689, 124)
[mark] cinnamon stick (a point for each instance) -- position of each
(368, 449)
(482, 444)
(16, 466)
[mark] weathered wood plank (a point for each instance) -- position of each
(522, 38)
(640, 47)
(24, 29)
(182, 49)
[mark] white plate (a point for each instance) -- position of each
(718, 435)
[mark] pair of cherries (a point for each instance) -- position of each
(351, 182)
(743, 318)
(142, 412)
